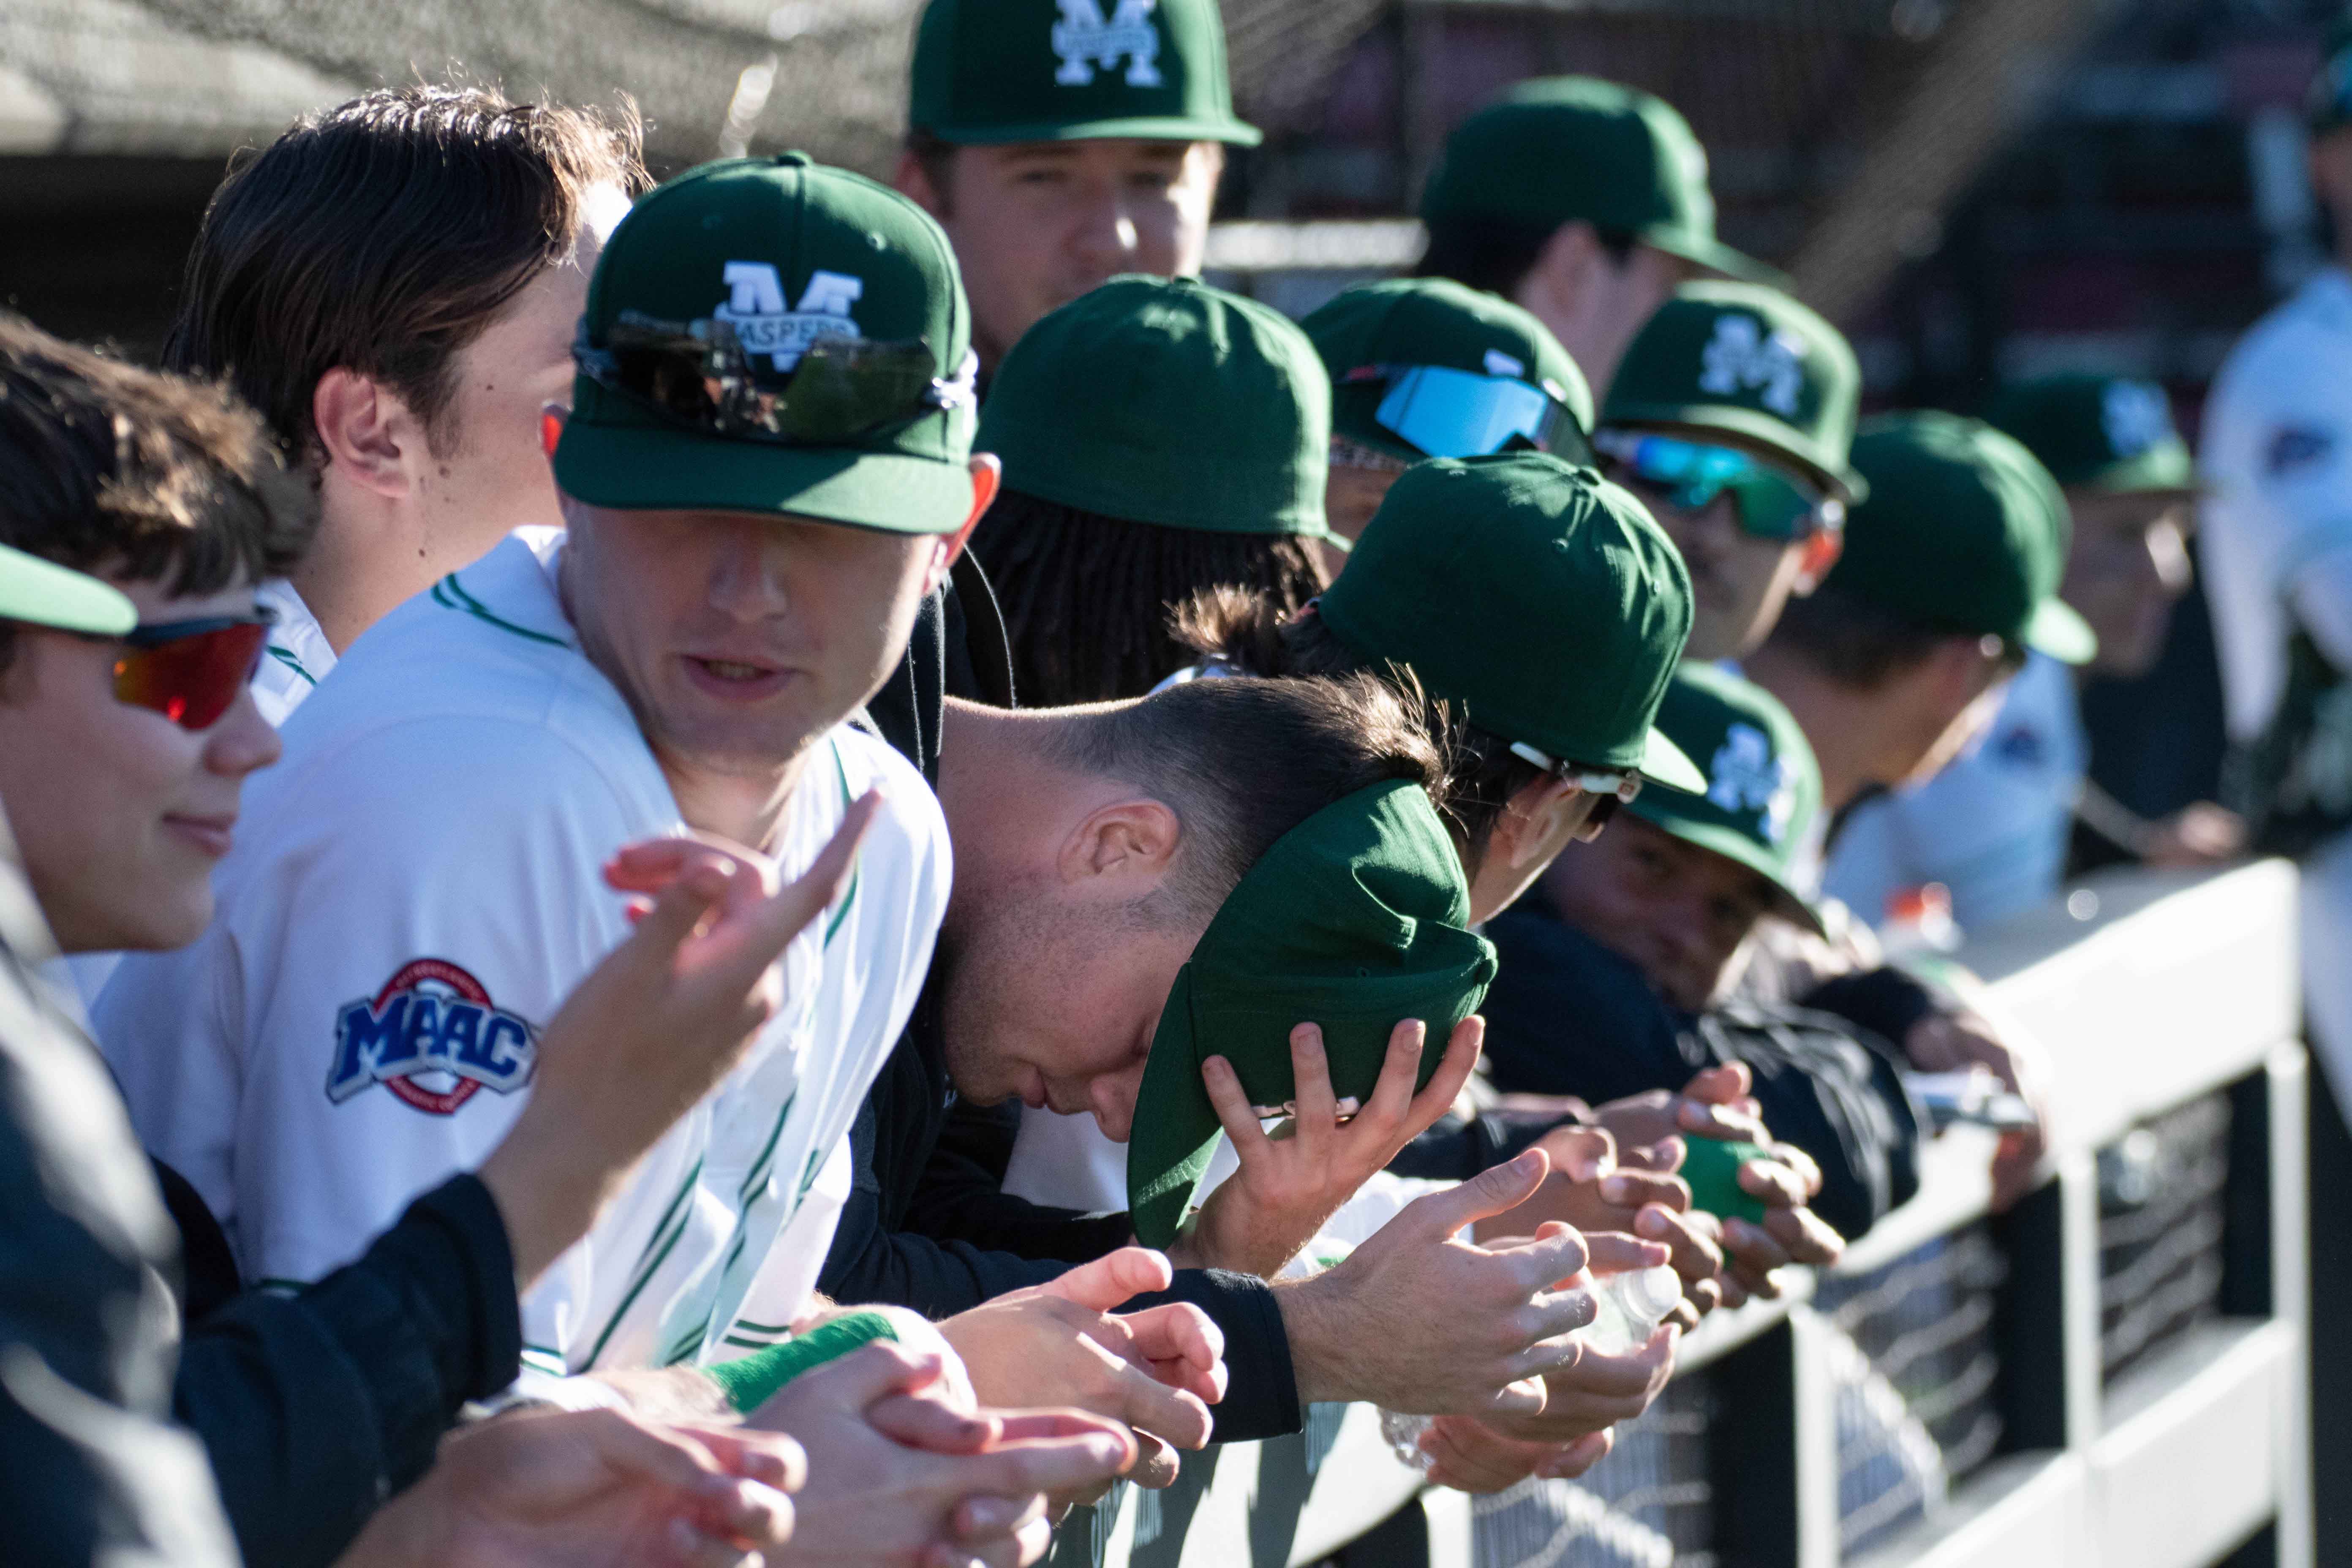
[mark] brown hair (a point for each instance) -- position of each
(1241, 762)
(381, 236)
(1494, 255)
(1858, 643)
(1088, 599)
(1254, 633)
(149, 476)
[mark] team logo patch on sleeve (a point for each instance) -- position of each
(432, 1037)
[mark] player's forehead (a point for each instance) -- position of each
(1098, 153)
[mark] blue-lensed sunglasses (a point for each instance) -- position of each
(1690, 474)
(1441, 412)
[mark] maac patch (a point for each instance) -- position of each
(432, 1037)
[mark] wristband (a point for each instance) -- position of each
(748, 1382)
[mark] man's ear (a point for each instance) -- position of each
(367, 433)
(912, 181)
(987, 480)
(1821, 552)
(1558, 278)
(1125, 847)
(1530, 825)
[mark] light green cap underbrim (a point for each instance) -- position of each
(44, 594)
(2056, 629)
(1664, 763)
(636, 467)
(1714, 256)
(2165, 468)
(1657, 809)
(1159, 128)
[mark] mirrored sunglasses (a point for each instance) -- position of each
(1445, 413)
(1690, 474)
(699, 374)
(191, 671)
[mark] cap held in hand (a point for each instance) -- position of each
(1354, 921)
(1539, 598)
(1068, 70)
(1964, 532)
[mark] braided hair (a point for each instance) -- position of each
(1088, 600)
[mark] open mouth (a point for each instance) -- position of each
(735, 679)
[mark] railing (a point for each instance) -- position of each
(2111, 1375)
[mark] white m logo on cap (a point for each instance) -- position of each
(1085, 41)
(755, 308)
(1746, 776)
(1740, 358)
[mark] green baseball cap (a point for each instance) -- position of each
(1538, 598)
(2099, 432)
(1407, 322)
(1163, 400)
(44, 594)
(1763, 787)
(1355, 921)
(787, 252)
(1964, 530)
(1560, 149)
(1068, 70)
(1746, 361)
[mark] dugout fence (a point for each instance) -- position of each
(2111, 1375)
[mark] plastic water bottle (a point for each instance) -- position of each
(1628, 1309)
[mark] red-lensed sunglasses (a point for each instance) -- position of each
(191, 671)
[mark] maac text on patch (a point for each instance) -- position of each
(433, 1037)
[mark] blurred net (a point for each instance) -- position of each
(2160, 1230)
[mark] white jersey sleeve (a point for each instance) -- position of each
(362, 1021)
(2277, 459)
(1993, 826)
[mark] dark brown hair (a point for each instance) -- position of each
(1859, 644)
(381, 236)
(1496, 254)
(1241, 762)
(1255, 635)
(1088, 598)
(152, 477)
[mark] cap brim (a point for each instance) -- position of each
(2165, 469)
(44, 594)
(1175, 1128)
(638, 468)
(1146, 128)
(1759, 433)
(1716, 256)
(1733, 845)
(1663, 762)
(2056, 629)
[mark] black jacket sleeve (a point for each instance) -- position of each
(318, 1406)
(1458, 1147)
(1566, 1015)
(91, 1468)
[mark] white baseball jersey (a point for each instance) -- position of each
(413, 891)
(298, 655)
(1993, 826)
(2278, 459)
